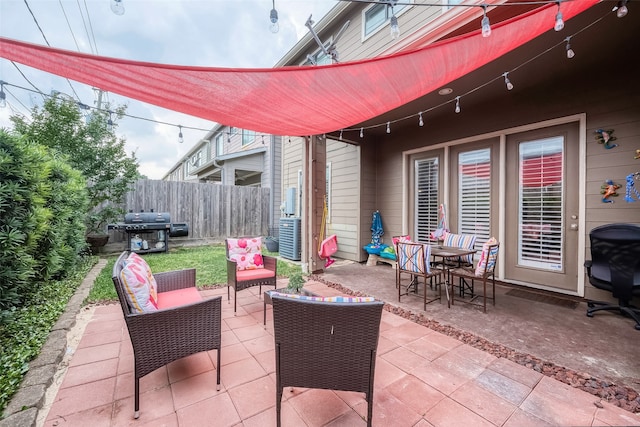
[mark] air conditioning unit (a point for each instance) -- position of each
(291, 238)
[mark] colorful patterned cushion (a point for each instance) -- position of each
(246, 253)
(137, 288)
(414, 257)
(324, 299)
(487, 257)
(466, 241)
(153, 285)
(405, 239)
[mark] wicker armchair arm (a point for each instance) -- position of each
(270, 263)
(232, 267)
(177, 279)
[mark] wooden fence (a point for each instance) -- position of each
(212, 212)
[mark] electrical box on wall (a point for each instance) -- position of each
(290, 202)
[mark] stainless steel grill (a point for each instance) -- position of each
(149, 231)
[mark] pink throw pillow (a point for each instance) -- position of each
(136, 288)
(247, 253)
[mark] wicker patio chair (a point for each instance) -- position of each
(485, 271)
(163, 336)
(326, 345)
(240, 278)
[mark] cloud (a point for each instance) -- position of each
(209, 33)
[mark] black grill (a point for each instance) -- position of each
(149, 231)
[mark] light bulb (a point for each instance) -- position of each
(420, 121)
(570, 52)
(388, 127)
(361, 132)
(117, 7)
(559, 25)
(395, 28)
(180, 138)
(340, 134)
(507, 82)
(3, 97)
(622, 10)
(457, 104)
(274, 27)
(485, 24)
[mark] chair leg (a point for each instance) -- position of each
(628, 311)
(218, 371)
(136, 399)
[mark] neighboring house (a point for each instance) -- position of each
(524, 164)
(232, 156)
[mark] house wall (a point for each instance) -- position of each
(607, 104)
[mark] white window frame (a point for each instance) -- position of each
(248, 137)
(474, 196)
(399, 10)
(426, 224)
(219, 148)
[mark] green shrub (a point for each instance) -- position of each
(27, 328)
(41, 218)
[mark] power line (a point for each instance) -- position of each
(73, 36)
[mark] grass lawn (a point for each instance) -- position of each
(209, 261)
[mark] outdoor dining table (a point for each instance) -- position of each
(448, 252)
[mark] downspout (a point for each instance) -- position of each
(272, 154)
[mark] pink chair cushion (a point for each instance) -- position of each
(178, 297)
(247, 253)
(261, 273)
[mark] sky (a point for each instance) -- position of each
(212, 33)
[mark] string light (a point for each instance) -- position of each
(394, 27)
(361, 132)
(109, 121)
(621, 9)
(507, 82)
(117, 7)
(570, 52)
(485, 24)
(180, 137)
(340, 134)
(3, 96)
(274, 27)
(388, 127)
(420, 121)
(559, 25)
(457, 104)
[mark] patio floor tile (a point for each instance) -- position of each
(189, 366)
(318, 407)
(194, 389)
(87, 373)
(484, 403)
(241, 372)
(423, 379)
(96, 353)
(416, 394)
(448, 412)
(253, 397)
(82, 397)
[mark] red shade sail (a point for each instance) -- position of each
(295, 100)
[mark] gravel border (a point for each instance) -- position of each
(622, 396)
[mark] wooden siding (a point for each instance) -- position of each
(211, 211)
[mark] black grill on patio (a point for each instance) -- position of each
(149, 231)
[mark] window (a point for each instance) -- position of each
(540, 203)
(248, 136)
(426, 198)
(474, 194)
(319, 57)
(377, 15)
(449, 4)
(219, 145)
